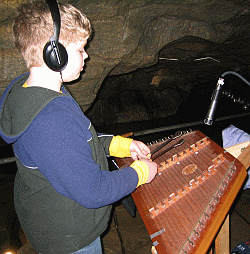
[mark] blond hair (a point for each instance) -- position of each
(33, 27)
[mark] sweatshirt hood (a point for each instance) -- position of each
(20, 105)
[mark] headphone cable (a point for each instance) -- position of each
(61, 76)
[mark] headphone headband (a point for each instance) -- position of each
(54, 10)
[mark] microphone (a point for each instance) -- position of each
(214, 100)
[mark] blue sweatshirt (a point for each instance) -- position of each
(63, 186)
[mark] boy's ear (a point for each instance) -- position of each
(55, 56)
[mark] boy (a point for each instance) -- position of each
(63, 188)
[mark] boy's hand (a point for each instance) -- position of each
(152, 167)
(138, 150)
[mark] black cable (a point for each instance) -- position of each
(61, 77)
(118, 231)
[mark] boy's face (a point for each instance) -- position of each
(76, 56)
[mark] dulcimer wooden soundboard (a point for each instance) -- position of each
(185, 205)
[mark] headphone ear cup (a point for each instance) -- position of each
(55, 56)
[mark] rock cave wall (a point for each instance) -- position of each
(179, 43)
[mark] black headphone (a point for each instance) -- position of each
(54, 53)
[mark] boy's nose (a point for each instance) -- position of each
(85, 56)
